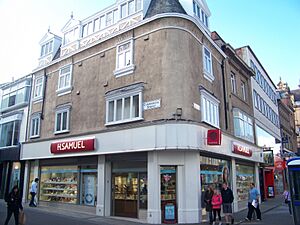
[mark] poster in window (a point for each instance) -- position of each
(89, 190)
(268, 157)
(169, 212)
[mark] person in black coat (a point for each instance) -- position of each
(207, 199)
(14, 204)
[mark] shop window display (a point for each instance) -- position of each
(244, 176)
(214, 172)
(59, 184)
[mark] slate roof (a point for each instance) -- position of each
(296, 94)
(164, 6)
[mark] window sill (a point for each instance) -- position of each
(37, 99)
(124, 71)
(213, 125)
(208, 76)
(35, 136)
(124, 121)
(62, 132)
(64, 91)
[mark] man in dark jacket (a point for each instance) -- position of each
(14, 204)
(207, 199)
(227, 197)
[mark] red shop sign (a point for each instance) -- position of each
(214, 137)
(73, 146)
(241, 150)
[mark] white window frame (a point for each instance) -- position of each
(62, 110)
(208, 74)
(66, 89)
(47, 48)
(38, 86)
(246, 124)
(35, 121)
(120, 95)
(209, 109)
(243, 90)
(127, 69)
(233, 82)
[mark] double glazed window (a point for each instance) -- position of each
(207, 64)
(130, 7)
(64, 80)
(233, 83)
(38, 88)
(209, 109)
(35, 126)
(62, 118)
(243, 125)
(124, 107)
(47, 48)
(10, 132)
(124, 61)
(200, 13)
(15, 95)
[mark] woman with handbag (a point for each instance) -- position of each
(14, 204)
(287, 200)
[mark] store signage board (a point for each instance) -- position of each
(73, 146)
(241, 150)
(152, 104)
(214, 137)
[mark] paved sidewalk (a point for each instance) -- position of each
(90, 218)
(265, 207)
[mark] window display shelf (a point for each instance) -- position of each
(54, 189)
(60, 196)
(60, 182)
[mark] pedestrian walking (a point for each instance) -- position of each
(253, 203)
(216, 206)
(33, 191)
(287, 200)
(227, 200)
(14, 204)
(208, 202)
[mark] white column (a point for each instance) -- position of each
(108, 186)
(100, 210)
(25, 187)
(257, 184)
(189, 189)
(234, 185)
(154, 210)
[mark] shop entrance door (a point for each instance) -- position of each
(125, 195)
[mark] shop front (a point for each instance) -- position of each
(129, 185)
(213, 172)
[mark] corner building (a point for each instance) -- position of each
(124, 111)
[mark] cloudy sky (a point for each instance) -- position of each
(270, 27)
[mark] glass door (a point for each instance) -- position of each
(168, 194)
(125, 195)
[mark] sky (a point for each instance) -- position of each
(270, 27)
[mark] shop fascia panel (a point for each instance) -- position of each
(150, 138)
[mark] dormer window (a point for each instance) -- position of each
(71, 35)
(130, 7)
(47, 48)
(199, 12)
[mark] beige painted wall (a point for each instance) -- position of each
(169, 62)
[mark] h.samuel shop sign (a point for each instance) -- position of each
(73, 146)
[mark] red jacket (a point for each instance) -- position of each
(216, 201)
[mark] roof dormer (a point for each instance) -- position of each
(50, 44)
(199, 10)
(71, 31)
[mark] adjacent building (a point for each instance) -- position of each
(295, 94)
(14, 97)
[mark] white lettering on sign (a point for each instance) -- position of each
(70, 145)
(242, 150)
(152, 104)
